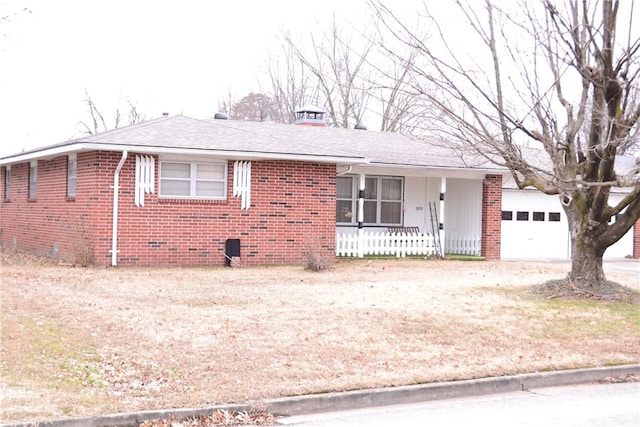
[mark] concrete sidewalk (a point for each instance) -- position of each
(364, 398)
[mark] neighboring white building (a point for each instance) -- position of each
(534, 225)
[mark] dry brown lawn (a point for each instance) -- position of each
(87, 341)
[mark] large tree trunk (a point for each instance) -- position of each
(586, 251)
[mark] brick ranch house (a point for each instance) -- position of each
(183, 191)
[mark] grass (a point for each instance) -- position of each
(54, 354)
(456, 257)
(590, 319)
(104, 340)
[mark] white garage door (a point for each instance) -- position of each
(534, 225)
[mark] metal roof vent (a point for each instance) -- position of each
(220, 116)
(360, 126)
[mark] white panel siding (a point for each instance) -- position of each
(419, 191)
(416, 209)
(463, 225)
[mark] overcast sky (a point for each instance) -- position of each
(174, 56)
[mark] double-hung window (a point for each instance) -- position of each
(389, 203)
(193, 180)
(382, 200)
(72, 171)
(33, 179)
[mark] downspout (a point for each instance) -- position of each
(116, 192)
(345, 172)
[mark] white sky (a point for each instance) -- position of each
(175, 56)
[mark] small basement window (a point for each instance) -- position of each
(522, 216)
(507, 215)
(554, 216)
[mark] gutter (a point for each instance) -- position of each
(116, 193)
(53, 152)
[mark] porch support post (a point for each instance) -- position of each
(443, 190)
(361, 183)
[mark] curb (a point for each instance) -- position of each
(339, 401)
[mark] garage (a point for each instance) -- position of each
(534, 225)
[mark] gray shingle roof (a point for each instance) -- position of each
(266, 140)
(380, 148)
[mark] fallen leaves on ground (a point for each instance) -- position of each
(218, 418)
(631, 378)
(610, 291)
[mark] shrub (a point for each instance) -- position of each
(317, 258)
(80, 244)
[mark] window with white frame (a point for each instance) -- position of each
(382, 200)
(33, 179)
(193, 180)
(345, 200)
(72, 171)
(7, 183)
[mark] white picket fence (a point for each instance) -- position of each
(462, 245)
(403, 244)
(384, 243)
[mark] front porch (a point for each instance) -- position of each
(401, 212)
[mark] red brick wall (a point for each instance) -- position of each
(636, 239)
(52, 224)
(491, 216)
(292, 205)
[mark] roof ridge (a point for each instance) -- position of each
(126, 128)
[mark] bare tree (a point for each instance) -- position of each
(256, 107)
(225, 104)
(6, 17)
(402, 107)
(345, 73)
(288, 84)
(97, 122)
(537, 75)
(341, 73)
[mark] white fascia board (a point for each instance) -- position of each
(53, 152)
(432, 171)
(46, 153)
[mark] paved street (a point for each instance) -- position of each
(605, 405)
